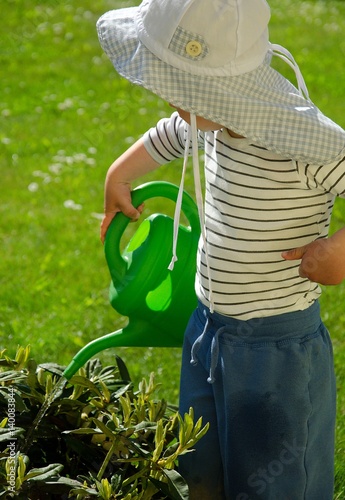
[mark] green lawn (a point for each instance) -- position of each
(64, 116)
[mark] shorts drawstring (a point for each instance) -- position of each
(197, 344)
(215, 354)
(214, 348)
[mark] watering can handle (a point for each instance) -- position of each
(119, 223)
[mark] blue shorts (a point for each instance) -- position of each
(267, 388)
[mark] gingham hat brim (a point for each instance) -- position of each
(261, 105)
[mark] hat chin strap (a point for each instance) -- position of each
(192, 137)
(285, 55)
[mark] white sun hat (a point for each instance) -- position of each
(212, 59)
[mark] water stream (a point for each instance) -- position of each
(56, 392)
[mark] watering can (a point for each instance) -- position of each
(157, 301)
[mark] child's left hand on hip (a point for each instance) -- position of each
(323, 260)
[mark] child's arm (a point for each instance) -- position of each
(131, 165)
(322, 261)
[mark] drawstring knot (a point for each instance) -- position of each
(172, 263)
(197, 344)
(214, 349)
(215, 354)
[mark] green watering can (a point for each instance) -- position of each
(157, 301)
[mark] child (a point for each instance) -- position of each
(257, 360)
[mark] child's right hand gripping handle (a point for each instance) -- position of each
(119, 223)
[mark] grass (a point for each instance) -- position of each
(65, 115)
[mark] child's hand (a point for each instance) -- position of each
(322, 261)
(131, 165)
(121, 201)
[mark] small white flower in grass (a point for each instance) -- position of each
(72, 205)
(68, 103)
(97, 216)
(69, 160)
(55, 168)
(87, 14)
(97, 61)
(39, 173)
(33, 187)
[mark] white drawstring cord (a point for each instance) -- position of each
(200, 202)
(178, 206)
(192, 135)
(285, 55)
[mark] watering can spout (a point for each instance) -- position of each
(92, 348)
(157, 301)
(123, 337)
(138, 333)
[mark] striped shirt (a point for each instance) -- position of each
(257, 204)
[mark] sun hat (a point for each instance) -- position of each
(212, 58)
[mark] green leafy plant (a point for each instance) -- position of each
(91, 437)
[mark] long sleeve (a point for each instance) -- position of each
(166, 141)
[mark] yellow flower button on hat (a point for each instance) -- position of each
(193, 48)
